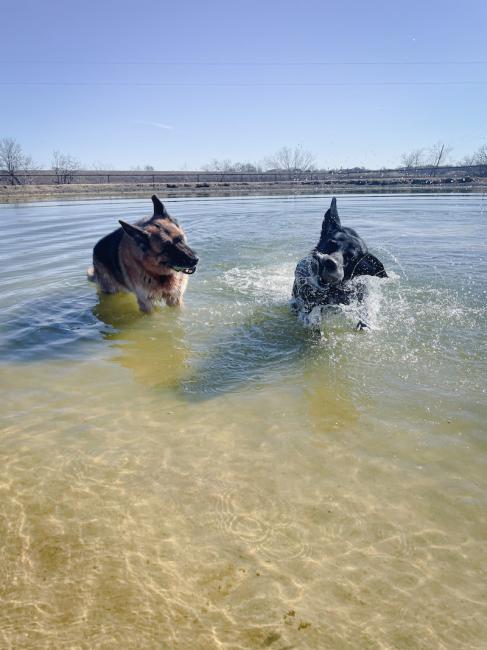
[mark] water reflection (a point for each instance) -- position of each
(151, 346)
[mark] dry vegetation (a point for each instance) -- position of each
(337, 185)
(288, 171)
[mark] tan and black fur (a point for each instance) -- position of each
(150, 258)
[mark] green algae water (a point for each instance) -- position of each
(222, 478)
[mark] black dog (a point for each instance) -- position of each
(323, 277)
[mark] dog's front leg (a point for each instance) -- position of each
(174, 300)
(175, 297)
(144, 303)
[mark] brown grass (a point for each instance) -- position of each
(21, 193)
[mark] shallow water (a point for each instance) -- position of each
(221, 477)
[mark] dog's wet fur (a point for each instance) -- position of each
(323, 277)
(150, 258)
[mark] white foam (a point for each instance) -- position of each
(268, 284)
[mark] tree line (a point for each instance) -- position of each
(287, 159)
(438, 155)
(15, 163)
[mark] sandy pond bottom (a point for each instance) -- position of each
(223, 478)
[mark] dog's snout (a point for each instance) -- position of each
(193, 260)
(330, 265)
(186, 255)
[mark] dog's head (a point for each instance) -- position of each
(341, 254)
(160, 243)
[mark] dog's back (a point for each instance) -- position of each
(106, 260)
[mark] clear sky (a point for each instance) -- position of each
(176, 84)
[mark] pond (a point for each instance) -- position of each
(220, 476)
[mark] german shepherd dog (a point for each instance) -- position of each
(323, 277)
(150, 258)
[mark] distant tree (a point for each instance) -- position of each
(226, 165)
(247, 168)
(467, 161)
(216, 165)
(438, 155)
(145, 168)
(480, 158)
(64, 166)
(13, 160)
(412, 159)
(291, 160)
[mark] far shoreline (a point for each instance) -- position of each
(74, 191)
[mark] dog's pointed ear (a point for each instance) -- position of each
(369, 265)
(331, 223)
(332, 220)
(160, 211)
(141, 237)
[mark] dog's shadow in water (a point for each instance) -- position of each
(250, 353)
(160, 352)
(158, 349)
(268, 345)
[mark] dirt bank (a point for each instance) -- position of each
(23, 193)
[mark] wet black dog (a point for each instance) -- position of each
(323, 277)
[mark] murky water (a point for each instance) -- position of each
(222, 478)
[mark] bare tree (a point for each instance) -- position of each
(477, 160)
(226, 166)
(412, 160)
(438, 155)
(291, 160)
(13, 160)
(216, 165)
(247, 168)
(145, 168)
(480, 158)
(467, 161)
(64, 166)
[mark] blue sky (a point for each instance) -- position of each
(178, 84)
